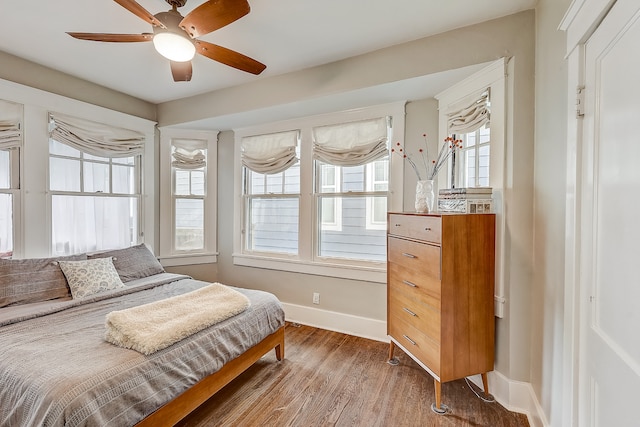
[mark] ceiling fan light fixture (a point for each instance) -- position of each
(174, 46)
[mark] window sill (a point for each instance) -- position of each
(188, 259)
(367, 274)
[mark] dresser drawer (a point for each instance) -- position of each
(414, 284)
(427, 228)
(414, 255)
(416, 342)
(416, 314)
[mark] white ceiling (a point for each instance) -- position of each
(286, 35)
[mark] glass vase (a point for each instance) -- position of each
(425, 196)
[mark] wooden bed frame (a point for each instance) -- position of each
(178, 408)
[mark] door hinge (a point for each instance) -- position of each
(580, 101)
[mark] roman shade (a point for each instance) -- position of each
(351, 144)
(189, 153)
(10, 125)
(94, 138)
(469, 115)
(270, 153)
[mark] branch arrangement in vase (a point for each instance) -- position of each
(429, 168)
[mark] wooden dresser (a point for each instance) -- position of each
(440, 293)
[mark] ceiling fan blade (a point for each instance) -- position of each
(181, 71)
(212, 15)
(229, 57)
(117, 38)
(133, 7)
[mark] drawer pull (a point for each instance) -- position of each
(409, 311)
(427, 229)
(408, 255)
(406, 282)
(409, 339)
(397, 225)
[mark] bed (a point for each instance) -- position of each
(56, 369)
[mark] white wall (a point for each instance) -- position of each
(28, 73)
(547, 297)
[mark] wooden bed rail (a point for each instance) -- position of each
(178, 408)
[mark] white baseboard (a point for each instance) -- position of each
(516, 396)
(338, 322)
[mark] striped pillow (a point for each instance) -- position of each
(24, 281)
(132, 263)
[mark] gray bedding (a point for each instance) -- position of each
(56, 368)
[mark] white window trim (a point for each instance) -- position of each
(495, 76)
(138, 194)
(16, 162)
(461, 163)
(304, 262)
(33, 233)
(337, 202)
(168, 256)
(370, 184)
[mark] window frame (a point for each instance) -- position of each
(462, 172)
(248, 196)
(190, 195)
(168, 254)
(335, 225)
(305, 261)
(137, 194)
(15, 191)
(370, 177)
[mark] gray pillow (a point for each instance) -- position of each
(133, 263)
(24, 281)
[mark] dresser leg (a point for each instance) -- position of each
(438, 407)
(392, 360)
(485, 384)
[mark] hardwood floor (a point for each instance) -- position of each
(332, 379)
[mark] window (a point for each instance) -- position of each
(474, 157)
(188, 169)
(10, 146)
(359, 205)
(96, 192)
(330, 178)
(8, 186)
(271, 193)
(377, 180)
(326, 211)
(469, 121)
(187, 202)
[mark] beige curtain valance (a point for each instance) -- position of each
(94, 138)
(270, 153)
(470, 116)
(351, 144)
(10, 124)
(189, 153)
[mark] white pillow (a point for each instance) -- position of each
(90, 277)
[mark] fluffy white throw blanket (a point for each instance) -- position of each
(151, 327)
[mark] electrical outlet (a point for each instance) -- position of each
(316, 298)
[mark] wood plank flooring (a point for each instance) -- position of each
(332, 379)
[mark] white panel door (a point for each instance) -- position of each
(609, 389)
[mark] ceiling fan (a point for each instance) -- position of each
(174, 36)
